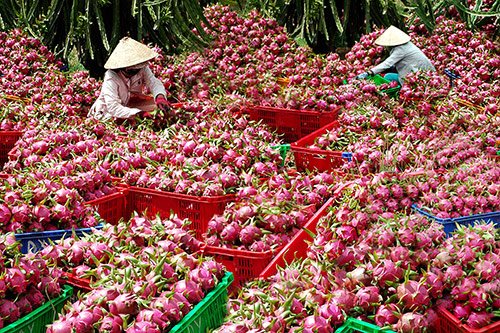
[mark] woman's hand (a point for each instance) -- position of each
(162, 103)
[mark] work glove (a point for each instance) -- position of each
(362, 76)
(163, 104)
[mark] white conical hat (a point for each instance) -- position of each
(392, 37)
(129, 52)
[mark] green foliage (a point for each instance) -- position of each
(327, 24)
(476, 18)
(94, 27)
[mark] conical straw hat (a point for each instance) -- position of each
(129, 52)
(392, 37)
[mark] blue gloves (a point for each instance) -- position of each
(362, 76)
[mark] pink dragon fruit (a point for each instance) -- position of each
(9, 312)
(250, 234)
(453, 274)
(414, 295)
(368, 298)
(479, 319)
(15, 279)
(111, 324)
(462, 311)
(387, 314)
(434, 284)
(411, 322)
(486, 270)
(460, 293)
(478, 300)
(387, 271)
(154, 316)
(332, 313)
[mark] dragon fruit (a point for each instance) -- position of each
(368, 298)
(387, 271)
(411, 322)
(9, 312)
(479, 319)
(387, 314)
(414, 295)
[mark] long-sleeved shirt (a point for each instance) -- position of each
(406, 58)
(116, 90)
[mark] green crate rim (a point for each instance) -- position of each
(18, 325)
(360, 326)
(200, 308)
(283, 151)
(378, 79)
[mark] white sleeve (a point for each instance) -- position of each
(113, 102)
(153, 84)
(393, 59)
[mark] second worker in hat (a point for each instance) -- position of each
(405, 57)
(127, 76)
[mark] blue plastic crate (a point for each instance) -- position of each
(347, 155)
(36, 241)
(450, 225)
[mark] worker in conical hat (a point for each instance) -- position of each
(404, 57)
(127, 74)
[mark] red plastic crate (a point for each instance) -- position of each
(317, 159)
(83, 284)
(199, 210)
(244, 265)
(297, 247)
(8, 140)
(448, 323)
(111, 207)
(293, 124)
(80, 286)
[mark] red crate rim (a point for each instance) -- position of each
(11, 133)
(271, 268)
(240, 253)
(121, 192)
(221, 198)
(494, 327)
(77, 282)
(309, 139)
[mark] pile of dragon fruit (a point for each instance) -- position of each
(147, 273)
(375, 255)
(26, 281)
(267, 217)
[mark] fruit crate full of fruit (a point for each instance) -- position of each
(310, 158)
(38, 319)
(210, 312)
(36, 241)
(450, 224)
(112, 207)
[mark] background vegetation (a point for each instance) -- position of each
(92, 28)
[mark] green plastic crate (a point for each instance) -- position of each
(354, 325)
(209, 313)
(37, 320)
(283, 150)
(378, 80)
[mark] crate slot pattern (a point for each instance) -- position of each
(293, 124)
(8, 140)
(199, 210)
